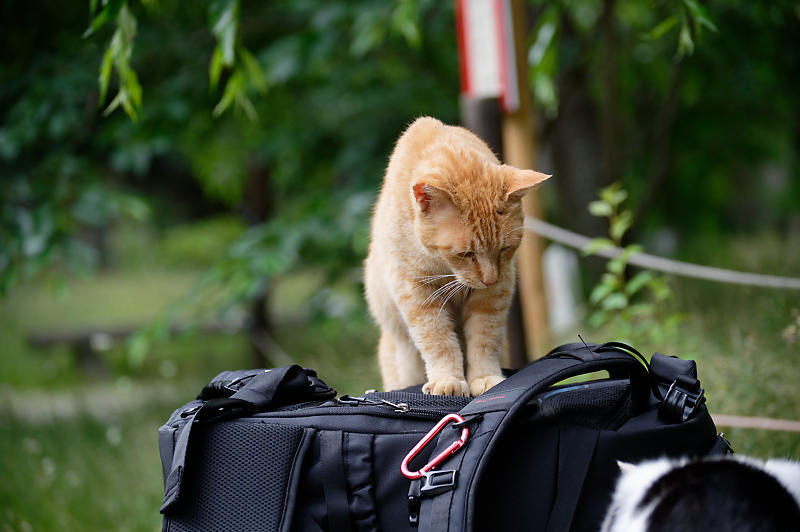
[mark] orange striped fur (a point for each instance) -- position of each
(440, 271)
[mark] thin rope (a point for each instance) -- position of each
(652, 262)
(763, 423)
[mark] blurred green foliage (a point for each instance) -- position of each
(618, 295)
(317, 94)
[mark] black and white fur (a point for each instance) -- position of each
(732, 493)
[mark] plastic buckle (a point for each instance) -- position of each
(414, 495)
(429, 484)
(441, 457)
(682, 399)
(436, 482)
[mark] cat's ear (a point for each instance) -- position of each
(626, 467)
(432, 200)
(520, 182)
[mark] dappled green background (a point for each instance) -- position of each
(222, 180)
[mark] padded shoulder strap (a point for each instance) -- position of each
(493, 411)
(236, 394)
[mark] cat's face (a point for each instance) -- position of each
(475, 224)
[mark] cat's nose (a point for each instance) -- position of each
(489, 281)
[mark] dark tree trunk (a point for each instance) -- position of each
(258, 207)
(661, 146)
(575, 154)
(609, 108)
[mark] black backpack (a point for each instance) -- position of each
(275, 450)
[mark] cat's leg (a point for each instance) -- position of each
(485, 313)
(400, 362)
(432, 331)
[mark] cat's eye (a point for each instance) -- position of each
(467, 255)
(505, 249)
(501, 212)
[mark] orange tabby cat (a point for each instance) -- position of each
(440, 271)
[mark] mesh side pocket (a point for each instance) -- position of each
(237, 477)
(604, 405)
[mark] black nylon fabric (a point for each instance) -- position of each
(334, 483)
(360, 473)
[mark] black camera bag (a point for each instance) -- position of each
(275, 450)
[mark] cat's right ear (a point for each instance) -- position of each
(431, 199)
(625, 467)
(520, 182)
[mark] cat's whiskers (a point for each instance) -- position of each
(428, 279)
(451, 293)
(442, 290)
(510, 231)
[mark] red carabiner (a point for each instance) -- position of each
(438, 459)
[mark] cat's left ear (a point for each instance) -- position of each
(626, 467)
(521, 182)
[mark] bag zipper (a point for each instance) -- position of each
(400, 408)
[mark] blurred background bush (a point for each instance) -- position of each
(205, 205)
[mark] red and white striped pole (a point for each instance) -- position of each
(487, 58)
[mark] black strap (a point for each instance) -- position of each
(499, 407)
(575, 451)
(260, 391)
(334, 484)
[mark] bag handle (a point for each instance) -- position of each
(564, 362)
(452, 510)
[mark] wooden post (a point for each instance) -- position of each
(519, 147)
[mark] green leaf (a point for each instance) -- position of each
(105, 75)
(133, 87)
(616, 266)
(254, 71)
(638, 282)
(615, 301)
(610, 279)
(215, 68)
(629, 251)
(224, 15)
(641, 310)
(597, 244)
(685, 41)
(543, 60)
(662, 27)
(600, 208)
(599, 292)
(660, 289)
(244, 103)
(699, 14)
(109, 12)
(617, 197)
(405, 20)
(234, 86)
(620, 225)
(613, 194)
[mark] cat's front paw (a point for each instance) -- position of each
(446, 386)
(481, 384)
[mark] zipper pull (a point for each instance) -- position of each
(398, 407)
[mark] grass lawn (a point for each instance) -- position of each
(91, 462)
